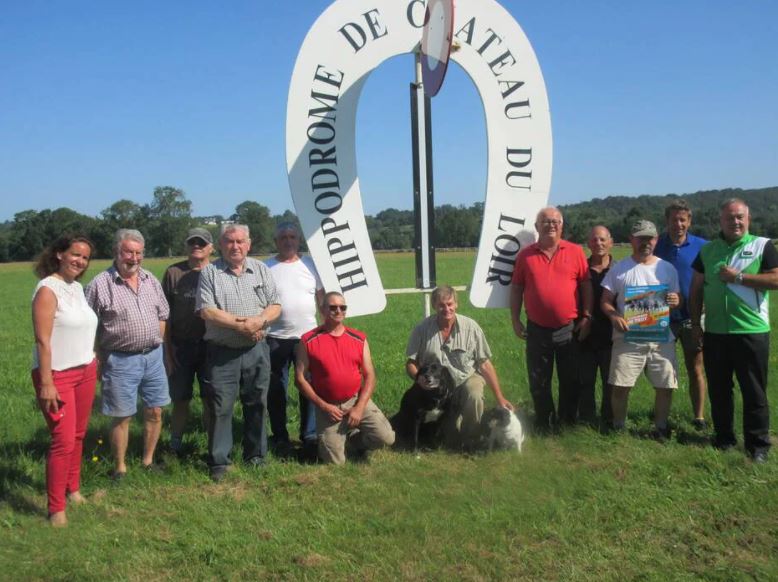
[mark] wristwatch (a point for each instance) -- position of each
(739, 278)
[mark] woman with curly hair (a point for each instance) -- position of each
(64, 370)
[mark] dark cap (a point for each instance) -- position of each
(643, 228)
(199, 233)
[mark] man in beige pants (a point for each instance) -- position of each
(335, 372)
(457, 343)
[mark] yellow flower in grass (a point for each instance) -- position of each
(94, 459)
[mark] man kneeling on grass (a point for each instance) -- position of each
(639, 280)
(335, 372)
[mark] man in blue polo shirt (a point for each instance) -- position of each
(679, 247)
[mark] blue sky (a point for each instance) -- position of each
(106, 100)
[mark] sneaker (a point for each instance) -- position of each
(255, 462)
(759, 457)
(700, 424)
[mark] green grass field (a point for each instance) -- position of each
(578, 506)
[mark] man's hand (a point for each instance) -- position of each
(254, 324)
(582, 328)
(354, 416)
(619, 323)
(519, 329)
(727, 274)
(673, 300)
(334, 413)
(504, 403)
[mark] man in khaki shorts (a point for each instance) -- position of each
(334, 371)
(634, 283)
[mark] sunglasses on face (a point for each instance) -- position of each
(197, 242)
(336, 308)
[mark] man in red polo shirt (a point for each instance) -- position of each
(335, 372)
(549, 277)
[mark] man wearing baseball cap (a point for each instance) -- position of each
(184, 344)
(649, 285)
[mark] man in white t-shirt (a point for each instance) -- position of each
(638, 293)
(300, 291)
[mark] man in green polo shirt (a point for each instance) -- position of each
(732, 277)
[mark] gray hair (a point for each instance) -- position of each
(546, 209)
(284, 226)
(730, 201)
(124, 234)
(227, 228)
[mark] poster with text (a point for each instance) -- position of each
(647, 314)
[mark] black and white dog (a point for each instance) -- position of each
(502, 429)
(422, 408)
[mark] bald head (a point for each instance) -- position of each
(600, 241)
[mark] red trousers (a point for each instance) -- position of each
(76, 388)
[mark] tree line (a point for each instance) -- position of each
(165, 220)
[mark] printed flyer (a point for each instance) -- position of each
(647, 314)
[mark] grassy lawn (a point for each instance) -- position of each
(578, 506)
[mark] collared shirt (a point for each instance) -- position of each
(244, 295)
(681, 257)
(729, 307)
(465, 349)
(551, 285)
(128, 319)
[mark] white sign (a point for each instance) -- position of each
(348, 41)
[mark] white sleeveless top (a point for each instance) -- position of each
(75, 326)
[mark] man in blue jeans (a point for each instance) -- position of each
(300, 292)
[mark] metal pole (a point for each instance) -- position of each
(423, 191)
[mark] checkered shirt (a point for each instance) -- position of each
(128, 320)
(244, 295)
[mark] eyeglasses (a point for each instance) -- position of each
(336, 308)
(551, 222)
(197, 242)
(130, 254)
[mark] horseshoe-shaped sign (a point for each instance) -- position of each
(347, 42)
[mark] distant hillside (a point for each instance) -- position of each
(619, 212)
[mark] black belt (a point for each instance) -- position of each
(142, 352)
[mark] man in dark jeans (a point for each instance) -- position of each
(595, 350)
(184, 344)
(549, 277)
(300, 292)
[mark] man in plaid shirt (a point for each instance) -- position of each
(132, 312)
(238, 300)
